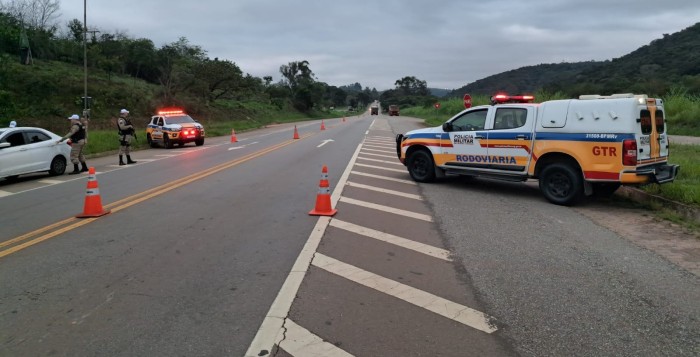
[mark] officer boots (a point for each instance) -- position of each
(84, 168)
(129, 160)
(76, 170)
(121, 161)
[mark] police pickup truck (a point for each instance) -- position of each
(575, 147)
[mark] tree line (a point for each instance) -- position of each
(181, 71)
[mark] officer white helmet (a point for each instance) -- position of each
(13, 124)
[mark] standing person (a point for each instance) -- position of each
(77, 138)
(126, 134)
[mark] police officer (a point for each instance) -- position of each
(77, 138)
(126, 134)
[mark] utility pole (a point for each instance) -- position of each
(86, 99)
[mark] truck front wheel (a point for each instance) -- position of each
(421, 166)
(561, 184)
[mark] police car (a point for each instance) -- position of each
(574, 147)
(173, 126)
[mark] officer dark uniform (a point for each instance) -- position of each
(77, 137)
(126, 134)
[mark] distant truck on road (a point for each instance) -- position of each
(393, 110)
(374, 109)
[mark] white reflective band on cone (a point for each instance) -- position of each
(93, 192)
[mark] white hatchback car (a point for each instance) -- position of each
(25, 150)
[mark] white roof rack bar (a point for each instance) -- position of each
(613, 96)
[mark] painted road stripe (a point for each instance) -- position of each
(147, 160)
(419, 247)
(375, 150)
(166, 155)
(400, 212)
(50, 182)
(451, 310)
(300, 342)
(384, 190)
(382, 168)
(5, 193)
(377, 146)
(407, 182)
(271, 331)
(387, 156)
(382, 161)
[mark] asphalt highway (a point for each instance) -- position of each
(210, 251)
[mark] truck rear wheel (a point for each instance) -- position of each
(561, 184)
(421, 166)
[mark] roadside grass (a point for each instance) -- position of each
(686, 187)
(658, 211)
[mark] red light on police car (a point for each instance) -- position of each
(170, 111)
(500, 97)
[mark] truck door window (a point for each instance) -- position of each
(470, 121)
(510, 118)
(660, 126)
(645, 121)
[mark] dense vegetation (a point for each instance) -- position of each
(42, 75)
(655, 69)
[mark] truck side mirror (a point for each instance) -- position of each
(447, 127)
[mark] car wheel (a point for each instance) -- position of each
(199, 142)
(605, 189)
(561, 184)
(151, 143)
(58, 166)
(421, 166)
(167, 143)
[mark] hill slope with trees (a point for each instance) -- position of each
(665, 63)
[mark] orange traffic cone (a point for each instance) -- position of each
(323, 199)
(296, 133)
(93, 202)
(323, 127)
(233, 136)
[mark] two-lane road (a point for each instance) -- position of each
(210, 251)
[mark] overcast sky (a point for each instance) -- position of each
(447, 43)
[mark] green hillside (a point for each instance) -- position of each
(670, 62)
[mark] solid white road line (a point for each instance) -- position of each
(384, 190)
(5, 193)
(382, 168)
(271, 330)
(419, 247)
(382, 161)
(300, 342)
(451, 310)
(50, 182)
(400, 212)
(407, 182)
